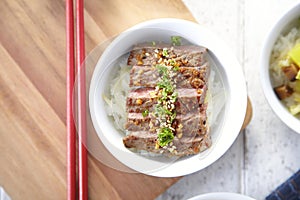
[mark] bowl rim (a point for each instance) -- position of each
(237, 105)
(272, 36)
(221, 195)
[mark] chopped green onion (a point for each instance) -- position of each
(174, 96)
(164, 94)
(161, 111)
(167, 85)
(145, 113)
(173, 116)
(165, 136)
(164, 109)
(158, 110)
(168, 112)
(165, 52)
(172, 62)
(176, 40)
(162, 69)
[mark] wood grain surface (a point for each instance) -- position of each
(33, 96)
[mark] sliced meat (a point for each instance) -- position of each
(188, 100)
(189, 56)
(283, 91)
(290, 71)
(190, 124)
(191, 132)
(187, 77)
(144, 140)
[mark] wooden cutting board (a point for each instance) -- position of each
(33, 96)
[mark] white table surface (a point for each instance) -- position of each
(267, 152)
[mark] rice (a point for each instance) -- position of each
(279, 56)
(279, 53)
(116, 99)
(215, 95)
(119, 88)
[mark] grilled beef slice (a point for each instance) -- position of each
(187, 56)
(191, 133)
(143, 140)
(188, 100)
(190, 124)
(187, 77)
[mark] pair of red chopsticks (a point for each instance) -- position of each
(81, 117)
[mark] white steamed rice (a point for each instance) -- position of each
(283, 45)
(116, 99)
(280, 51)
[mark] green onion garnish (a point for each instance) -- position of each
(165, 136)
(176, 40)
(145, 113)
(165, 52)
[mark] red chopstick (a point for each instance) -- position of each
(71, 132)
(82, 157)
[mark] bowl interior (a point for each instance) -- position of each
(225, 64)
(289, 20)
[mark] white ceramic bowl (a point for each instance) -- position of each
(283, 24)
(223, 135)
(221, 196)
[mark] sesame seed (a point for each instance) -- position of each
(160, 60)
